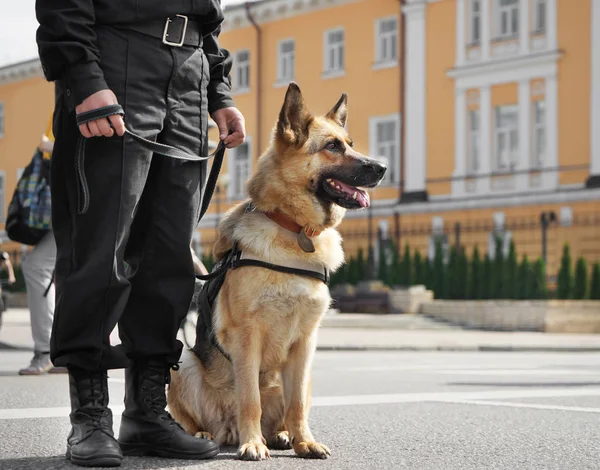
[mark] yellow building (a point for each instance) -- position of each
(501, 120)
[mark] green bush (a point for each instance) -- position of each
(539, 289)
(382, 268)
(419, 269)
(487, 279)
(475, 281)
(509, 283)
(462, 275)
(581, 283)
(361, 265)
(565, 276)
(525, 280)
(595, 282)
(407, 267)
(497, 274)
(438, 272)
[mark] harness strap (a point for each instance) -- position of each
(155, 147)
(323, 277)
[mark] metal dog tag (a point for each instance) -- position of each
(305, 243)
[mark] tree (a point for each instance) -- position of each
(448, 287)
(461, 275)
(581, 285)
(438, 270)
(475, 290)
(382, 272)
(565, 276)
(525, 280)
(539, 291)
(497, 274)
(595, 282)
(487, 279)
(419, 269)
(395, 273)
(361, 265)
(509, 283)
(407, 268)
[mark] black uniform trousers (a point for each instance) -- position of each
(127, 259)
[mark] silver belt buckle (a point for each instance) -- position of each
(183, 31)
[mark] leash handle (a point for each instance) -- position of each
(155, 147)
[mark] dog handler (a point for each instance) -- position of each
(116, 204)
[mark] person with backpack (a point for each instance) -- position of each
(38, 271)
(5, 264)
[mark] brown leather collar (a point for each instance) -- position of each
(285, 221)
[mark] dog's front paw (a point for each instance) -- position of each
(280, 441)
(253, 451)
(311, 450)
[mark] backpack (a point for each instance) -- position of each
(29, 215)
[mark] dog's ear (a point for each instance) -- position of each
(294, 117)
(339, 113)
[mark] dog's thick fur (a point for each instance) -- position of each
(266, 320)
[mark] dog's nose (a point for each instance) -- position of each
(380, 169)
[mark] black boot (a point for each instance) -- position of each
(146, 428)
(91, 442)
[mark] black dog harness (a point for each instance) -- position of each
(207, 297)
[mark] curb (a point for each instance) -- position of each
(481, 348)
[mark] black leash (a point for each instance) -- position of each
(162, 149)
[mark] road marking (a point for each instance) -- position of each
(358, 400)
(535, 406)
(518, 372)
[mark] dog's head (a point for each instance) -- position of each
(312, 171)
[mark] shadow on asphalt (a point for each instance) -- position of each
(10, 347)
(524, 384)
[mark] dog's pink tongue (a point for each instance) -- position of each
(363, 199)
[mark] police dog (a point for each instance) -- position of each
(266, 321)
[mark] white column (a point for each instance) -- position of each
(522, 180)
(460, 32)
(485, 163)
(414, 147)
(550, 178)
(460, 142)
(486, 29)
(524, 21)
(595, 119)
(551, 28)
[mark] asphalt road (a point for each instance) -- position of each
(375, 410)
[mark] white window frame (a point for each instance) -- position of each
(474, 16)
(474, 141)
(238, 65)
(537, 27)
(509, 10)
(374, 147)
(282, 57)
(513, 155)
(2, 119)
(329, 71)
(537, 128)
(232, 192)
(389, 36)
(2, 196)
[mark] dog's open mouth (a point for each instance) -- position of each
(345, 195)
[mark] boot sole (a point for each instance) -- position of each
(95, 460)
(143, 450)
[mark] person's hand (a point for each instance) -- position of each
(11, 280)
(100, 127)
(46, 145)
(231, 124)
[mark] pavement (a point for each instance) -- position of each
(394, 409)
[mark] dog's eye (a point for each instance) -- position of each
(332, 146)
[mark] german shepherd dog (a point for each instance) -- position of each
(266, 321)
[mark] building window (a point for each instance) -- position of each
(539, 133)
(539, 16)
(286, 58)
(507, 18)
(334, 51)
(506, 138)
(384, 141)
(474, 141)
(241, 74)
(475, 22)
(1, 119)
(2, 191)
(239, 170)
(386, 41)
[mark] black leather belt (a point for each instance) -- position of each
(175, 31)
